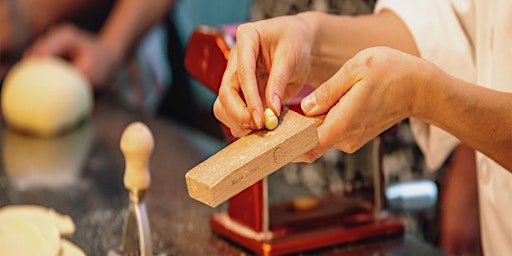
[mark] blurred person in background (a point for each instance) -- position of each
(110, 42)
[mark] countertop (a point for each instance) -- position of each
(80, 174)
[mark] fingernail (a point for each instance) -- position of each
(308, 104)
(256, 118)
(276, 102)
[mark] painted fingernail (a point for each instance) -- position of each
(257, 119)
(308, 104)
(276, 103)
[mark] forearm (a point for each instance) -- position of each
(41, 15)
(339, 38)
(479, 116)
(129, 21)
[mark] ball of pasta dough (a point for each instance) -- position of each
(45, 96)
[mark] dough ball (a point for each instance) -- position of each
(45, 96)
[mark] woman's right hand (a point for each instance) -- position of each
(269, 64)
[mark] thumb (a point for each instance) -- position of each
(328, 94)
(320, 100)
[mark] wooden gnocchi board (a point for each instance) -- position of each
(251, 158)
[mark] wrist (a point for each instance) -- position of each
(112, 47)
(318, 57)
(422, 96)
(311, 21)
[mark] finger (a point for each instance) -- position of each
(222, 116)
(332, 131)
(312, 155)
(278, 80)
(238, 133)
(60, 41)
(329, 93)
(343, 125)
(234, 109)
(329, 133)
(248, 46)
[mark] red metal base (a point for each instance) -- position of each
(293, 232)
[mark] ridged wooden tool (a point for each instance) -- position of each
(251, 158)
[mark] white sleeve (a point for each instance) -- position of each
(441, 38)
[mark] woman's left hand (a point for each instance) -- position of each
(370, 93)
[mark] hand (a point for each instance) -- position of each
(370, 93)
(86, 51)
(268, 60)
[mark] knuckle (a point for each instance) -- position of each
(351, 149)
(348, 147)
(280, 80)
(244, 29)
(223, 97)
(324, 94)
(243, 70)
(238, 133)
(310, 156)
(217, 108)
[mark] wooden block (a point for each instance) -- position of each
(251, 158)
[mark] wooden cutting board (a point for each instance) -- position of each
(251, 158)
